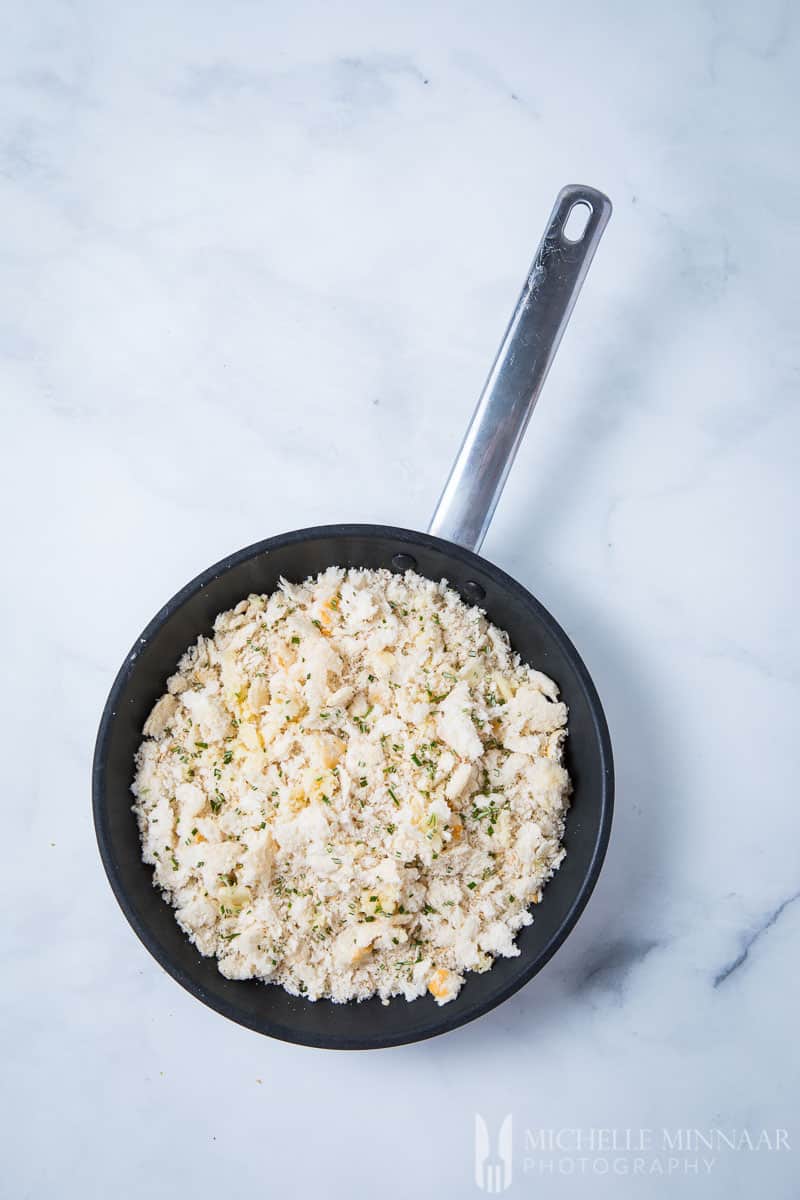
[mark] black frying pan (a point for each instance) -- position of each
(447, 551)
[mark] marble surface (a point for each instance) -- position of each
(255, 263)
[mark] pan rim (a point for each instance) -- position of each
(278, 1029)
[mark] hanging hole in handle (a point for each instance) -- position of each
(578, 216)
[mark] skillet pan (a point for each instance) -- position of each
(449, 551)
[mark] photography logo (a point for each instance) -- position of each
(493, 1164)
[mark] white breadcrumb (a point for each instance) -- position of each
(354, 788)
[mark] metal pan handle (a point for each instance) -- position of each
(509, 396)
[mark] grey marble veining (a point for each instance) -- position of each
(256, 260)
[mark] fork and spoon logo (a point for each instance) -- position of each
(493, 1165)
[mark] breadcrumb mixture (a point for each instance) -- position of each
(354, 788)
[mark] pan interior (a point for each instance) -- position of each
(142, 679)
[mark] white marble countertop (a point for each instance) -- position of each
(256, 261)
